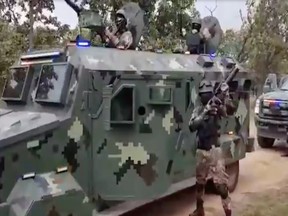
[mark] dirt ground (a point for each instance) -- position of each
(262, 187)
(262, 173)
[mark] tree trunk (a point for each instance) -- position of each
(31, 25)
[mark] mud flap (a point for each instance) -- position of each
(250, 147)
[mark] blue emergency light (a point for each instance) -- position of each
(81, 42)
(273, 103)
(212, 55)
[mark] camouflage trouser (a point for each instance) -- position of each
(210, 164)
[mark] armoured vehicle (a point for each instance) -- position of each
(92, 126)
(271, 111)
(100, 131)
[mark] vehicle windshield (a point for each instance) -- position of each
(51, 83)
(284, 87)
(15, 83)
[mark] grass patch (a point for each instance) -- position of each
(269, 203)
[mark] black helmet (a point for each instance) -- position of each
(205, 91)
(196, 24)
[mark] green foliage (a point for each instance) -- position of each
(230, 45)
(265, 37)
(9, 48)
(50, 33)
(269, 36)
(261, 43)
(9, 13)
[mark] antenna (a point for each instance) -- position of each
(212, 10)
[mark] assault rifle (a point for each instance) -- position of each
(222, 90)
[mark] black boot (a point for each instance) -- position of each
(228, 212)
(199, 211)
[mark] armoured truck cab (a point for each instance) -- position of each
(109, 126)
(35, 123)
(271, 111)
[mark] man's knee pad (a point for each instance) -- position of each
(222, 189)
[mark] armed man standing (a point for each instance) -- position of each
(210, 162)
(194, 41)
(120, 37)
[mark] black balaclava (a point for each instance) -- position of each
(205, 97)
(120, 22)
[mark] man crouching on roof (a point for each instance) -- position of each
(121, 37)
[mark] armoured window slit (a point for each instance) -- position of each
(247, 85)
(123, 106)
(160, 95)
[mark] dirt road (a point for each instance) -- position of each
(259, 171)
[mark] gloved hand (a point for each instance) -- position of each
(211, 109)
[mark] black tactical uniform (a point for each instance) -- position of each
(210, 162)
(194, 41)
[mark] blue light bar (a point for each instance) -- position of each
(83, 43)
(212, 55)
(40, 55)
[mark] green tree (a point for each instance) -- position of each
(31, 12)
(266, 37)
(50, 34)
(231, 43)
(261, 43)
(9, 48)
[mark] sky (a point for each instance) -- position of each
(227, 12)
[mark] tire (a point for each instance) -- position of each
(100, 204)
(233, 171)
(265, 142)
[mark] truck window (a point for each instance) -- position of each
(53, 83)
(15, 83)
(285, 85)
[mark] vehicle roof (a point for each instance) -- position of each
(98, 58)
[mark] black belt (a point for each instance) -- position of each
(205, 147)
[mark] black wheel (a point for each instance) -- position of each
(265, 142)
(233, 171)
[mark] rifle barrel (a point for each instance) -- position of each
(229, 78)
